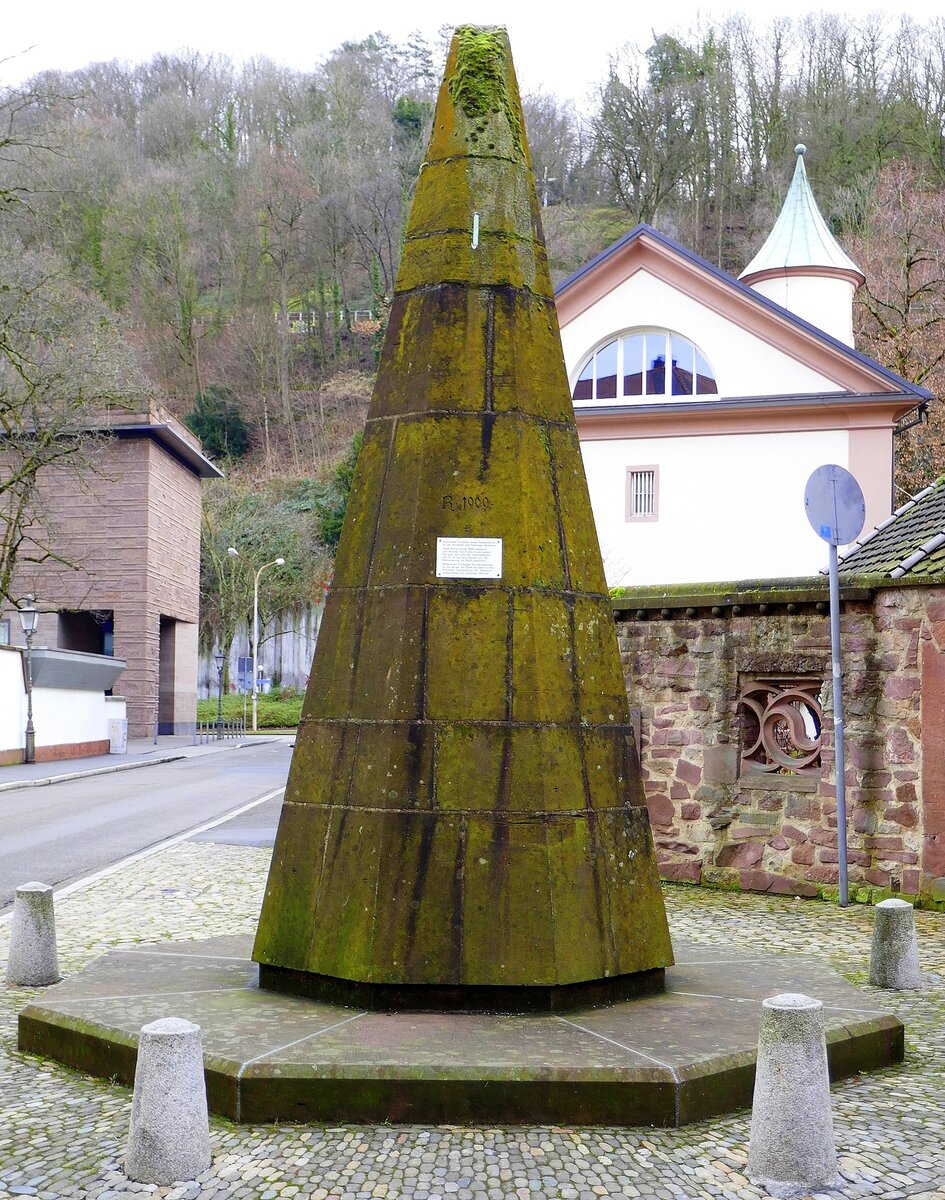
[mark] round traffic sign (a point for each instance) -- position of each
(834, 504)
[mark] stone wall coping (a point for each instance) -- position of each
(813, 590)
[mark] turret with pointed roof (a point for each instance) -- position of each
(802, 265)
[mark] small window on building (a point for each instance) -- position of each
(649, 362)
(642, 493)
(4, 633)
(781, 724)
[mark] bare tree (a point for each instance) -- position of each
(900, 312)
(63, 368)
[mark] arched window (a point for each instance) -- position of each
(635, 364)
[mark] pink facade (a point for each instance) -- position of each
(789, 398)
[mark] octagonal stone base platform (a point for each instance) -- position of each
(658, 1060)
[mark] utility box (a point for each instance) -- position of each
(118, 735)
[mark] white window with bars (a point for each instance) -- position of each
(642, 493)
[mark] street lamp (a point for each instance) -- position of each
(276, 562)
(219, 658)
(28, 619)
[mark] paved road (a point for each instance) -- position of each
(256, 827)
(69, 830)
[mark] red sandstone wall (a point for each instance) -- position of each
(715, 823)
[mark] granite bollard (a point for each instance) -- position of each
(791, 1149)
(169, 1135)
(894, 956)
(33, 961)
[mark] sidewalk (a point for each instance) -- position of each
(62, 1134)
(142, 752)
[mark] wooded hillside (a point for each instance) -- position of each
(243, 224)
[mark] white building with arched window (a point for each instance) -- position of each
(703, 402)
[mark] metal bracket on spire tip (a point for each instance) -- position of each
(475, 232)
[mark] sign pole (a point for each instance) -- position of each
(836, 510)
(838, 725)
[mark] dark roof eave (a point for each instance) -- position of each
(749, 294)
(171, 441)
(756, 403)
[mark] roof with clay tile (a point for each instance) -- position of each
(909, 545)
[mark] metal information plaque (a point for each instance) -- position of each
(468, 558)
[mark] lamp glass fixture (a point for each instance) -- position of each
(28, 617)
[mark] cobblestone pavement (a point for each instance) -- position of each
(63, 1134)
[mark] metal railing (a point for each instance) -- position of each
(214, 731)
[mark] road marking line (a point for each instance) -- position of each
(78, 884)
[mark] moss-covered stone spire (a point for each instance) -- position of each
(464, 819)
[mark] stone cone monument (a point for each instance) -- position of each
(464, 824)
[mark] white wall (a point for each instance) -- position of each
(61, 716)
(12, 700)
(826, 303)
(730, 506)
(744, 365)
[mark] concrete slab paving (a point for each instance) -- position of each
(655, 1060)
(62, 1133)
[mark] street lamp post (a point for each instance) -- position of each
(276, 562)
(219, 658)
(28, 619)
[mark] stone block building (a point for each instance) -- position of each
(123, 576)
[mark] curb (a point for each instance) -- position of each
(67, 776)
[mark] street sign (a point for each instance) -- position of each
(834, 504)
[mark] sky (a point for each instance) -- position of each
(566, 57)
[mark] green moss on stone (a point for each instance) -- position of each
(321, 766)
(501, 259)
(388, 665)
(342, 928)
(353, 555)
(506, 876)
(603, 692)
(422, 931)
(450, 322)
(806, 590)
(469, 761)
(479, 84)
(449, 192)
(585, 569)
(528, 374)
(460, 475)
(467, 650)
(330, 687)
(626, 860)
(613, 768)
(544, 772)
(292, 889)
(392, 766)
(542, 659)
(579, 905)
